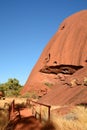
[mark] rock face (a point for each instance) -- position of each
(71, 91)
(64, 55)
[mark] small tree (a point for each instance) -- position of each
(11, 87)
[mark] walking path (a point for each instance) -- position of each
(26, 122)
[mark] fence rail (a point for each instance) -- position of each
(31, 102)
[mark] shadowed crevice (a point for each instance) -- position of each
(65, 69)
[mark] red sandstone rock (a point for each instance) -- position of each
(65, 53)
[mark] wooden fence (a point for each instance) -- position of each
(33, 105)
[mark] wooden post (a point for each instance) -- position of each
(18, 109)
(41, 104)
(9, 110)
(13, 105)
(49, 113)
(40, 113)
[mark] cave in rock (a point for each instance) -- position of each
(65, 69)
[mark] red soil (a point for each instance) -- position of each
(26, 112)
(23, 121)
(30, 123)
(27, 122)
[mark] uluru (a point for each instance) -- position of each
(61, 70)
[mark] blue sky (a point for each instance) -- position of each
(26, 26)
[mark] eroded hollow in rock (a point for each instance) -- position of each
(65, 69)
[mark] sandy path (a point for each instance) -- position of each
(26, 112)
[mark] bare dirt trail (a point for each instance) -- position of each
(26, 112)
(23, 120)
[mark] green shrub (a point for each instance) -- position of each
(85, 81)
(30, 95)
(48, 84)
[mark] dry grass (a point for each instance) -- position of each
(4, 115)
(3, 119)
(9, 100)
(76, 120)
(43, 111)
